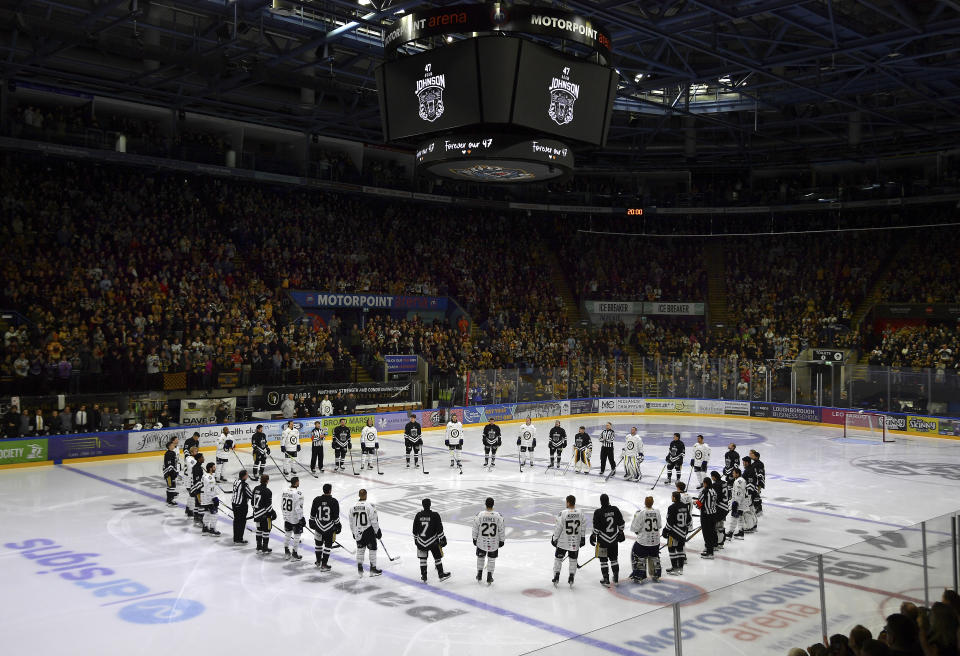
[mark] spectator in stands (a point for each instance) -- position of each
(859, 635)
(902, 636)
(11, 422)
(81, 419)
(38, 423)
(65, 419)
(288, 408)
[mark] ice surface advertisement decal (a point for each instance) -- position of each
(137, 603)
(430, 94)
(563, 96)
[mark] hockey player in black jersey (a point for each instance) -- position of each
(723, 506)
(341, 442)
(556, 442)
(260, 450)
(429, 539)
(196, 487)
(749, 476)
(263, 514)
(731, 461)
(582, 449)
(761, 471)
(192, 441)
(675, 452)
(170, 473)
(413, 439)
(325, 522)
(607, 535)
(491, 442)
(675, 532)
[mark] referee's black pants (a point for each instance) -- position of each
(316, 457)
(709, 525)
(606, 453)
(239, 521)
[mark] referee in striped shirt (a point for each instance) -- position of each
(241, 498)
(707, 503)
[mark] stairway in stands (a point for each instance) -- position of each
(359, 372)
(718, 308)
(560, 283)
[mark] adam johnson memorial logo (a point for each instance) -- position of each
(563, 96)
(430, 94)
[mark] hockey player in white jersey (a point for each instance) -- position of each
(209, 500)
(633, 455)
(454, 440)
(738, 503)
(701, 455)
(366, 531)
(289, 446)
(646, 524)
(291, 504)
(186, 478)
(368, 444)
(569, 535)
(224, 445)
(487, 538)
(527, 441)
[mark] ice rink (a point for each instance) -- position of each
(93, 562)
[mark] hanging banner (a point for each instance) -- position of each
(199, 412)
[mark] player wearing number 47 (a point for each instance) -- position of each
(487, 538)
(429, 539)
(568, 537)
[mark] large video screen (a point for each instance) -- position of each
(564, 96)
(437, 90)
(496, 82)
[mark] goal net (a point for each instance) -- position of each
(866, 426)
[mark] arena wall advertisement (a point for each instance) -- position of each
(17, 452)
(200, 412)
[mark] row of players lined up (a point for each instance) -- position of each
(740, 499)
(631, 454)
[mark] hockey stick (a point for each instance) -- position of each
(347, 549)
(270, 455)
(234, 452)
(688, 538)
(596, 554)
(389, 557)
(353, 466)
(659, 476)
(613, 471)
(689, 476)
(423, 461)
(297, 463)
(376, 452)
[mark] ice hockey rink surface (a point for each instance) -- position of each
(163, 587)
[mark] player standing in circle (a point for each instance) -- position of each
(368, 444)
(291, 503)
(209, 500)
(738, 499)
(242, 494)
(429, 539)
(675, 452)
(317, 436)
(289, 446)
(761, 472)
(607, 436)
(646, 550)
(491, 442)
(675, 532)
(749, 476)
(413, 439)
(196, 488)
(701, 454)
(366, 531)
(582, 448)
(731, 461)
(723, 506)
(607, 535)
(633, 455)
(325, 521)
(260, 450)
(454, 440)
(557, 442)
(488, 537)
(189, 460)
(527, 441)
(341, 442)
(263, 514)
(170, 471)
(224, 444)
(568, 537)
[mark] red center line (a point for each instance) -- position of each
(788, 572)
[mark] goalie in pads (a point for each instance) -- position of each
(581, 451)
(487, 538)
(633, 455)
(646, 550)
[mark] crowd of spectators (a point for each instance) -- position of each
(920, 275)
(934, 347)
(914, 631)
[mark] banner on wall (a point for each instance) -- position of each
(950, 427)
(315, 299)
(156, 440)
(396, 421)
(785, 411)
(88, 445)
(20, 451)
(199, 412)
(629, 311)
(736, 408)
(671, 406)
(401, 364)
(923, 425)
(584, 406)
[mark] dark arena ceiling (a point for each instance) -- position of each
(703, 82)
